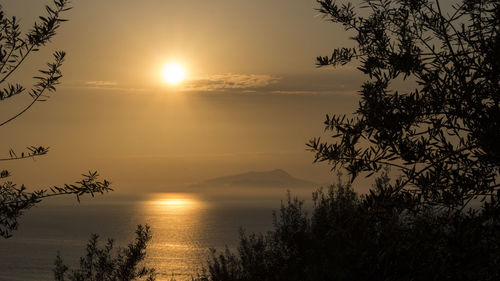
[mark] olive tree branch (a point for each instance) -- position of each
(45, 83)
(41, 34)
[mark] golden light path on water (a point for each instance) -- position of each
(176, 224)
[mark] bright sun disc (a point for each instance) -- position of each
(174, 73)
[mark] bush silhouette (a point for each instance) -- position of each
(351, 237)
(104, 263)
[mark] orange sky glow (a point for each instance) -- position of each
(250, 98)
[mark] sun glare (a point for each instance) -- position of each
(174, 201)
(174, 73)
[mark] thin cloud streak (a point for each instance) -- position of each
(231, 81)
(101, 83)
(314, 92)
(210, 155)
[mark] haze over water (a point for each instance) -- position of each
(184, 227)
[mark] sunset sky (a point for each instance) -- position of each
(251, 100)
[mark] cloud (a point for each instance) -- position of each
(333, 91)
(100, 83)
(244, 82)
(298, 92)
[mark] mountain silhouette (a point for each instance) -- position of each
(268, 179)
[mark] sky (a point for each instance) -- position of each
(251, 100)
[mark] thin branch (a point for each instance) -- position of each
(25, 109)
(369, 160)
(22, 157)
(44, 84)
(17, 65)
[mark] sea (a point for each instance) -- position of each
(184, 227)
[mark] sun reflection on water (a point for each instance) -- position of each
(175, 220)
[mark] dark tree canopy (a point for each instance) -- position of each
(443, 135)
(15, 47)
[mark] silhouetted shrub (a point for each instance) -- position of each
(348, 237)
(106, 264)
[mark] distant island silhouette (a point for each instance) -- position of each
(278, 179)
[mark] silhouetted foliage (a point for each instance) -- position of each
(348, 237)
(442, 137)
(106, 264)
(14, 49)
(15, 200)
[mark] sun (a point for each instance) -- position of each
(174, 73)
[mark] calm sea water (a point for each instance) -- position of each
(184, 227)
